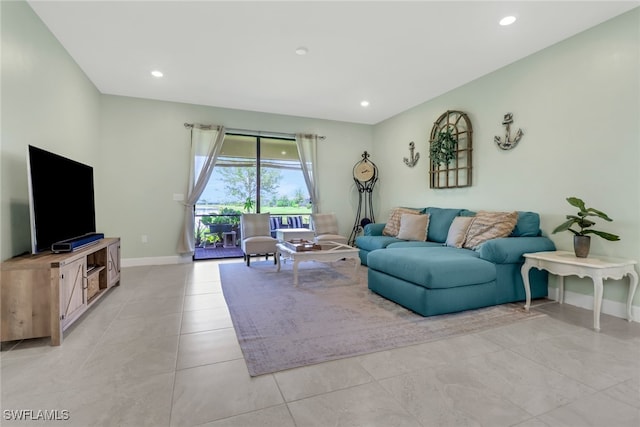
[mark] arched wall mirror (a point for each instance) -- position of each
(451, 151)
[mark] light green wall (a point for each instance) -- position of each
(145, 153)
(47, 101)
(578, 103)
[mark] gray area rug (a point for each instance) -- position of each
(331, 315)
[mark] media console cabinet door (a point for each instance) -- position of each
(72, 290)
(113, 267)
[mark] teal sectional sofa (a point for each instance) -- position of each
(431, 278)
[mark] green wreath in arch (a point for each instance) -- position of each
(443, 149)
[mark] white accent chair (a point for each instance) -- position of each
(325, 227)
(256, 237)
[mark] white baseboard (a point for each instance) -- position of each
(163, 260)
(612, 308)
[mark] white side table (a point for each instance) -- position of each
(229, 239)
(563, 263)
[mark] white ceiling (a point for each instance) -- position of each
(242, 54)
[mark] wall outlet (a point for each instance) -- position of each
(145, 238)
(178, 197)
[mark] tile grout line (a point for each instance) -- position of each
(175, 367)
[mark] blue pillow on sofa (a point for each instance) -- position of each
(440, 220)
(528, 225)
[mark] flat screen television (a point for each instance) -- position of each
(61, 199)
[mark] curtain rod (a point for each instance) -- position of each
(199, 126)
(250, 132)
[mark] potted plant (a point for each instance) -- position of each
(248, 205)
(199, 234)
(581, 240)
(443, 149)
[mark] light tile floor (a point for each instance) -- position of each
(160, 350)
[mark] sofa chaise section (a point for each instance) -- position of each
(431, 278)
(452, 279)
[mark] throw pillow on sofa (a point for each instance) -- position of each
(413, 227)
(393, 224)
(489, 225)
(458, 231)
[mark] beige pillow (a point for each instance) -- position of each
(489, 225)
(413, 227)
(458, 231)
(393, 224)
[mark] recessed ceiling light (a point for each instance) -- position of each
(365, 103)
(507, 20)
(302, 51)
(156, 73)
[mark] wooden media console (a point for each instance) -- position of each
(42, 295)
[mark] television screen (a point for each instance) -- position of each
(61, 199)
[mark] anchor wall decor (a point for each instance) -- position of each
(414, 157)
(508, 143)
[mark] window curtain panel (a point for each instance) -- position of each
(307, 148)
(205, 147)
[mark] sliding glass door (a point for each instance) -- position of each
(252, 174)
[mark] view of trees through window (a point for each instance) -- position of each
(256, 174)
